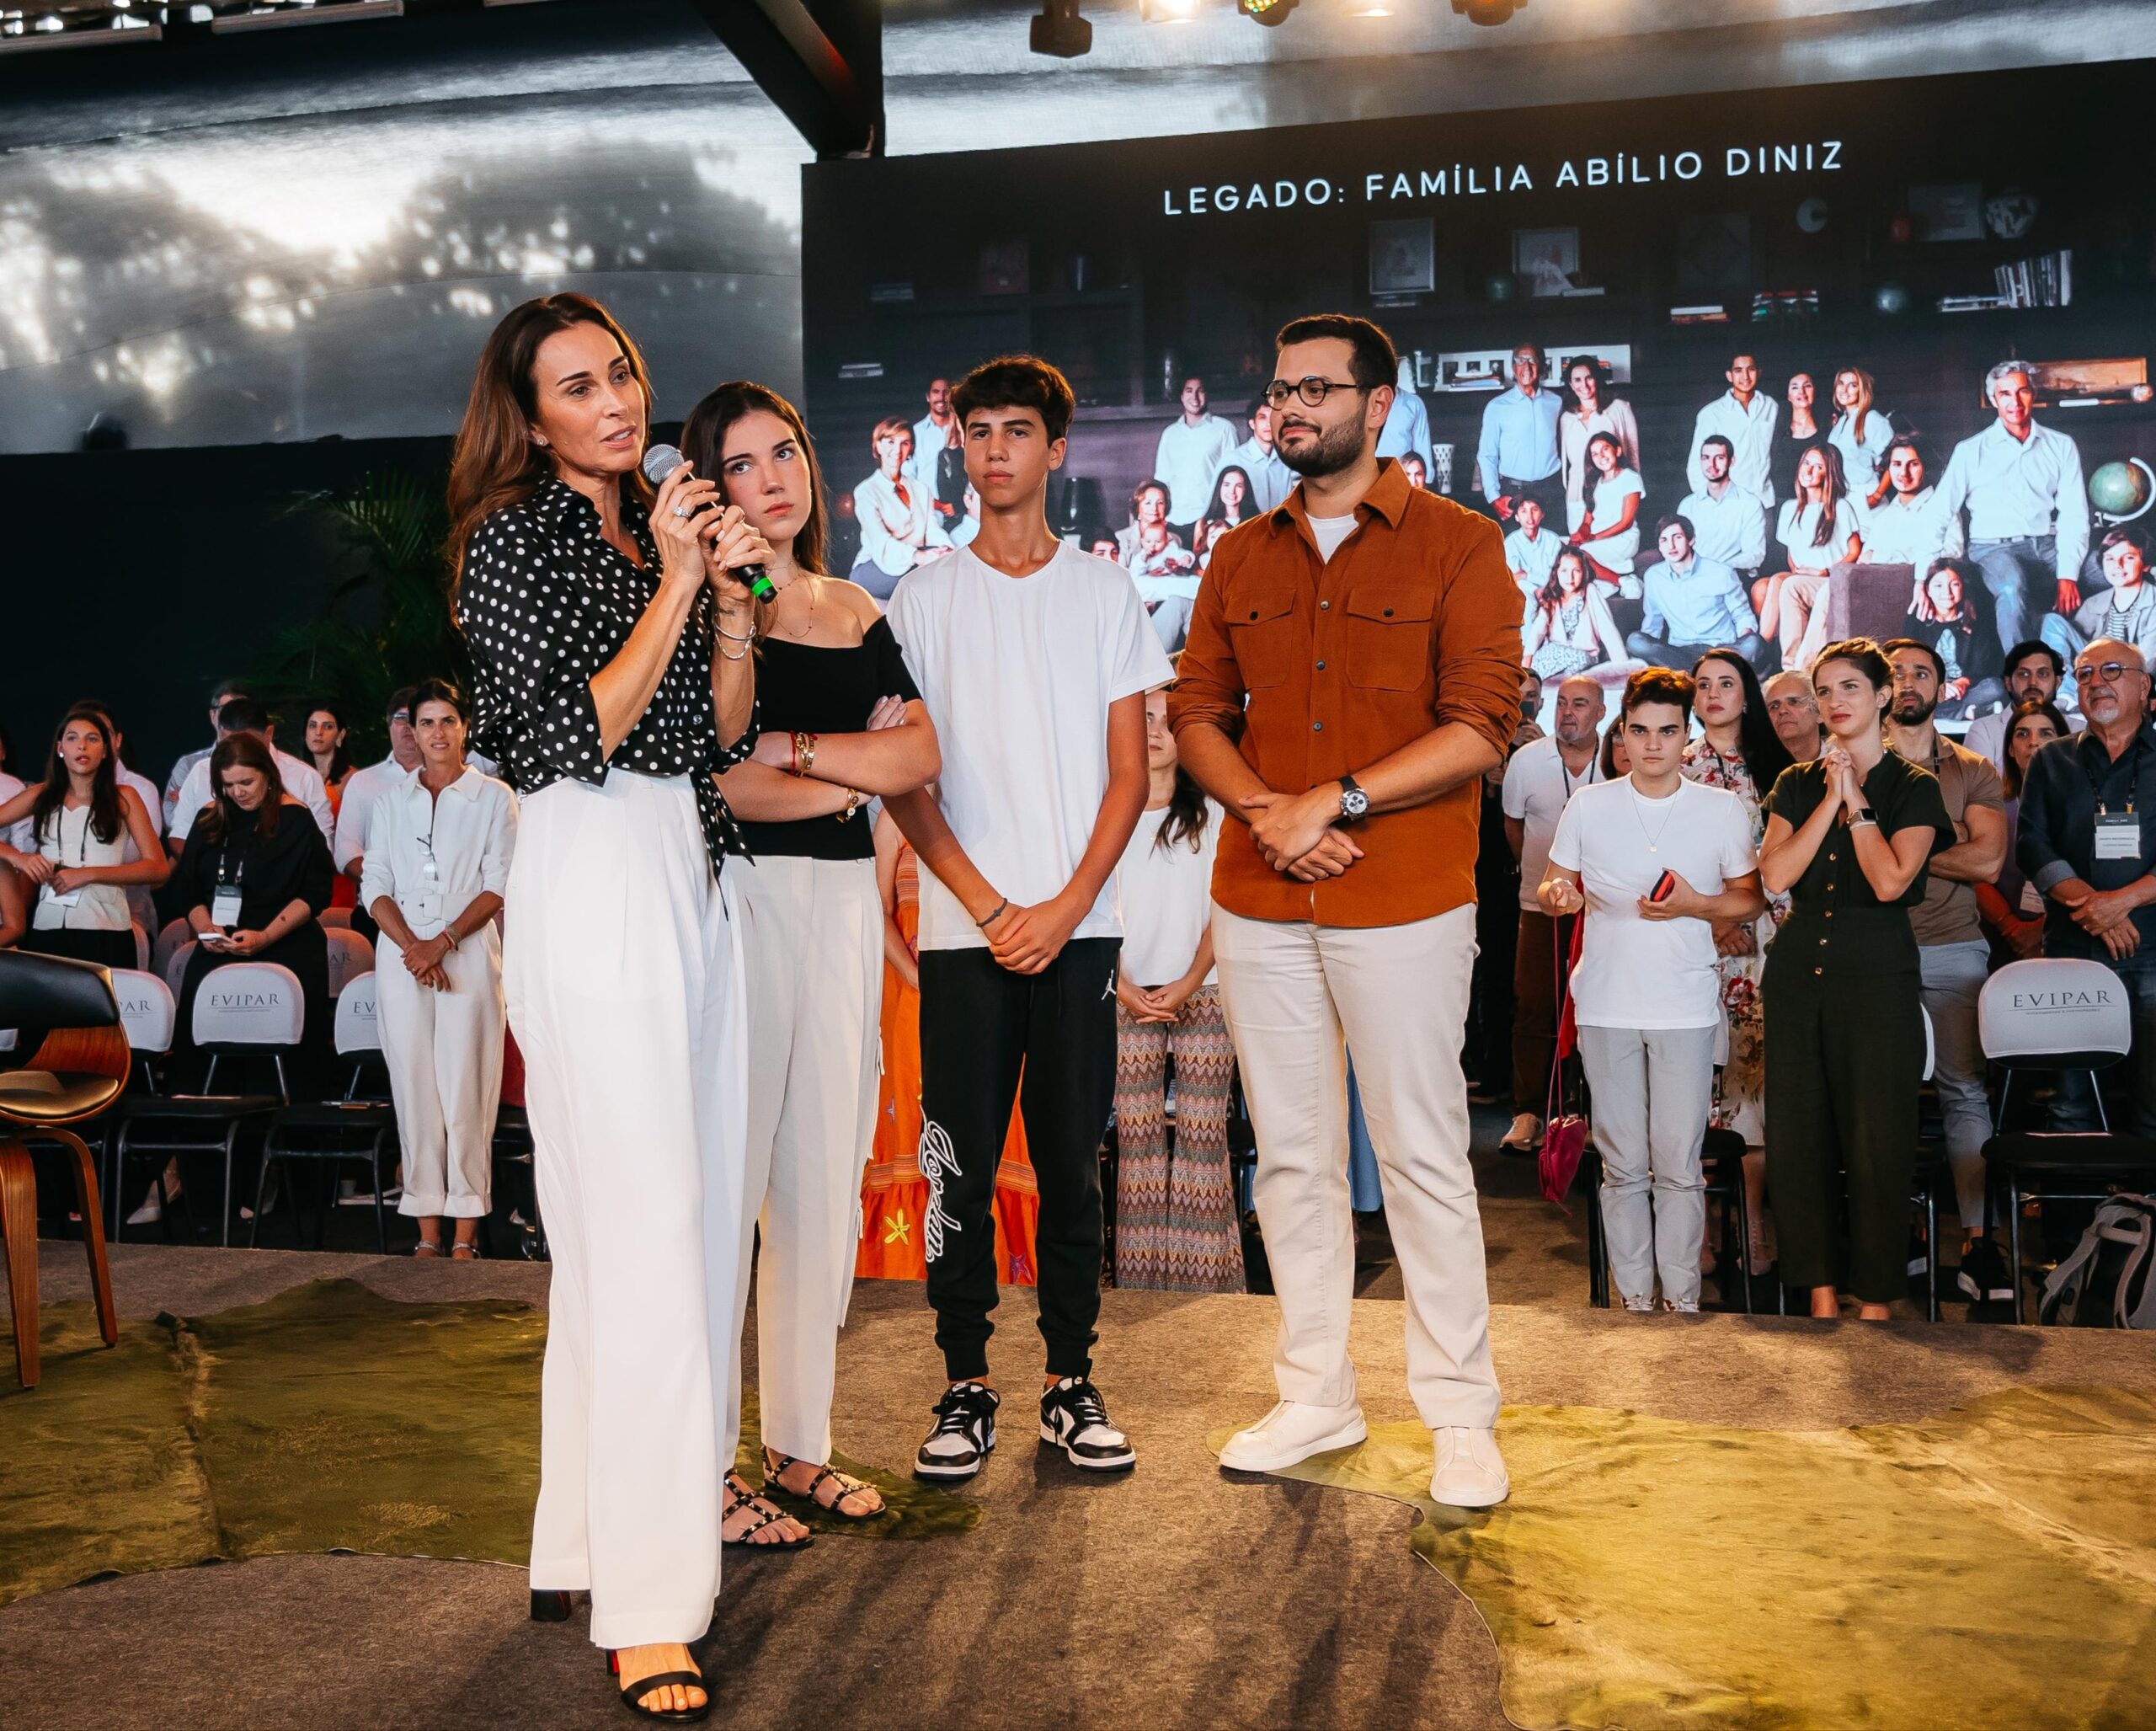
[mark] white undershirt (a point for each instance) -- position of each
(1331, 531)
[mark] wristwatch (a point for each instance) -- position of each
(1354, 802)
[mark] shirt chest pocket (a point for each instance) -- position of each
(1388, 638)
(1262, 629)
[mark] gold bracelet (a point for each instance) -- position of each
(804, 749)
(853, 803)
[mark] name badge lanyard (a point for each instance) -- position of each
(71, 897)
(2118, 834)
(225, 902)
(427, 904)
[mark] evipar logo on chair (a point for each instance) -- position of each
(249, 1003)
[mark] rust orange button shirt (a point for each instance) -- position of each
(1319, 668)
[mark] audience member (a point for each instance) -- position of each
(325, 737)
(141, 897)
(434, 885)
(2028, 509)
(1653, 865)
(1517, 456)
(1847, 839)
(1746, 421)
(1861, 435)
(80, 819)
(1192, 447)
(1176, 1221)
(222, 694)
(1690, 604)
(1486, 1049)
(1816, 532)
(2080, 843)
(1793, 710)
(1591, 411)
(299, 781)
(1739, 751)
(1571, 629)
(14, 908)
(1270, 478)
(1615, 760)
(2013, 908)
(1955, 633)
(1728, 522)
(1954, 956)
(1539, 782)
(2035, 674)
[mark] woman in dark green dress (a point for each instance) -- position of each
(1847, 836)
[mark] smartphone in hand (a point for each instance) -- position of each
(1665, 886)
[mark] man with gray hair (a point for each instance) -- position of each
(2028, 508)
(1794, 708)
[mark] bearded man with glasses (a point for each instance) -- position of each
(1352, 671)
(2082, 844)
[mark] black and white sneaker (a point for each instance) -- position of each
(965, 1431)
(1076, 1420)
(1983, 1276)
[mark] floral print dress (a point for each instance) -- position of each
(1740, 1085)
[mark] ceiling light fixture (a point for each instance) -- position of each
(1060, 31)
(1269, 12)
(1486, 12)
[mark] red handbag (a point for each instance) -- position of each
(1564, 1139)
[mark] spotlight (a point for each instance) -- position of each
(1060, 31)
(1486, 12)
(1268, 12)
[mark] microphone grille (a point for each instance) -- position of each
(660, 461)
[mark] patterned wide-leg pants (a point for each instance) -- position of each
(1176, 1226)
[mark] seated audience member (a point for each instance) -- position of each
(1690, 604)
(1615, 760)
(14, 908)
(1571, 628)
(1729, 523)
(81, 820)
(1230, 504)
(1795, 712)
(1655, 861)
(222, 694)
(1175, 1213)
(896, 515)
(1909, 524)
(1609, 532)
(1954, 956)
(1816, 530)
(2013, 909)
(141, 900)
(1957, 633)
(2080, 843)
(2035, 673)
(299, 781)
(2125, 611)
(434, 885)
(1848, 840)
(1531, 549)
(325, 748)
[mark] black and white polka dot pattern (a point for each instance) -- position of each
(547, 601)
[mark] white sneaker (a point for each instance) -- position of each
(1641, 1307)
(1526, 1133)
(1291, 1432)
(1470, 1472)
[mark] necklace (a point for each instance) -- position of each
(1653, 840)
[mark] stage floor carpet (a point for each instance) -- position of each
(1177, 1596)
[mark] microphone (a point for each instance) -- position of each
(660, 461)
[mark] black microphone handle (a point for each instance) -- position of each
(760, 585)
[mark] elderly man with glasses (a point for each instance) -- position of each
(2082, 845)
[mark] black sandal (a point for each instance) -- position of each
(736, 1484)
(633, 1694)
(775, 1466)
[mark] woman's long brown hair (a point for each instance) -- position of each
(496, 463)
(703, 442)
(241, 751)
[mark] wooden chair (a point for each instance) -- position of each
(78, 1069)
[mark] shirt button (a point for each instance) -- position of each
(1317, 727)
(1325, 606)
(1320, 667)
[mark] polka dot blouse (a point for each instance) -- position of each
(547, 601)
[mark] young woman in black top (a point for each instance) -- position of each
(1848, 839)
(842, 722)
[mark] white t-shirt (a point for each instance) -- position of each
(18, 835)
(1165, 889)
(1537, 785)
(1018, 673)
(362, 789)
(1331, 531)
(1633, 972)
(302, 781)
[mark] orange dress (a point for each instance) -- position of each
(893, 1192)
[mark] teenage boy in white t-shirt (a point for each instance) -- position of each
(1645, 993)
(1034, 659)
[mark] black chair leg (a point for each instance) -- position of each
(261, 1189)
(1931, 1252)
(1744, 1238)
(118, 1183)
(2014, 1240)
(381, 1224)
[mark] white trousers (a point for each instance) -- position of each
(812, 938)
(444, 1052)
(624, 980)
(1398, 996)
(1650, 1089)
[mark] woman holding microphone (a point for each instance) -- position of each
(611, 644)
(436, 866)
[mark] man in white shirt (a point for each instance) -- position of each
(1910, 526)
(931, 434)
(1746, 419)
(1270, 478)
(1793, 707)
(364, 788)
(1729, 523)
(1516, 456)
(2034, 670)
(222, 694)
(1033, 660)
(1539, 782)
(1658, 860)
(2028, 507)
(302, 781)
(1192, 449)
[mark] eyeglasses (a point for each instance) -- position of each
(1312, 391)
(2109, 672)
